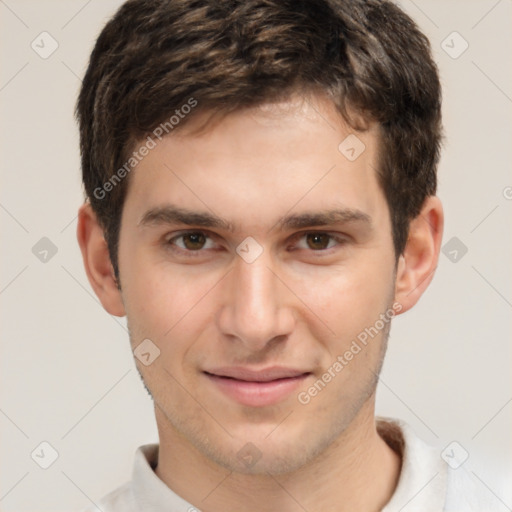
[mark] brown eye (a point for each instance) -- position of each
(191, 244)
(318, 241)
(194, 241)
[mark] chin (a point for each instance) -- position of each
(259, 453)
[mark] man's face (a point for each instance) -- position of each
(247, 326)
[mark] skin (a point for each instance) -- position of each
(300, 304)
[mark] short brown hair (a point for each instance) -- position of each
(368, 56)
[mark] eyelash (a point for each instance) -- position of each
(194, 254)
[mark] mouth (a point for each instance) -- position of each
(256, 388)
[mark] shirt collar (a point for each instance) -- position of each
(149, 492)
(423, 476)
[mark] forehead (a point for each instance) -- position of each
(256, 163)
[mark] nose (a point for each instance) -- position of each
(257, 308)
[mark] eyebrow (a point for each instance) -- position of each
(173, 215)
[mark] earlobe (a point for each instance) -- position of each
(96, 258)
(417, 264)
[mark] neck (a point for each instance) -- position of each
(359, 471)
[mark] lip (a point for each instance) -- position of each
(257, 388)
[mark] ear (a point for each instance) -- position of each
(416, 265)
(98, 266)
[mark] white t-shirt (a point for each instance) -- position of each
(426, 483)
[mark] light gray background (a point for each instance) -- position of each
(67, 373)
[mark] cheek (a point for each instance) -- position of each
(347, 300)
(165, 303)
